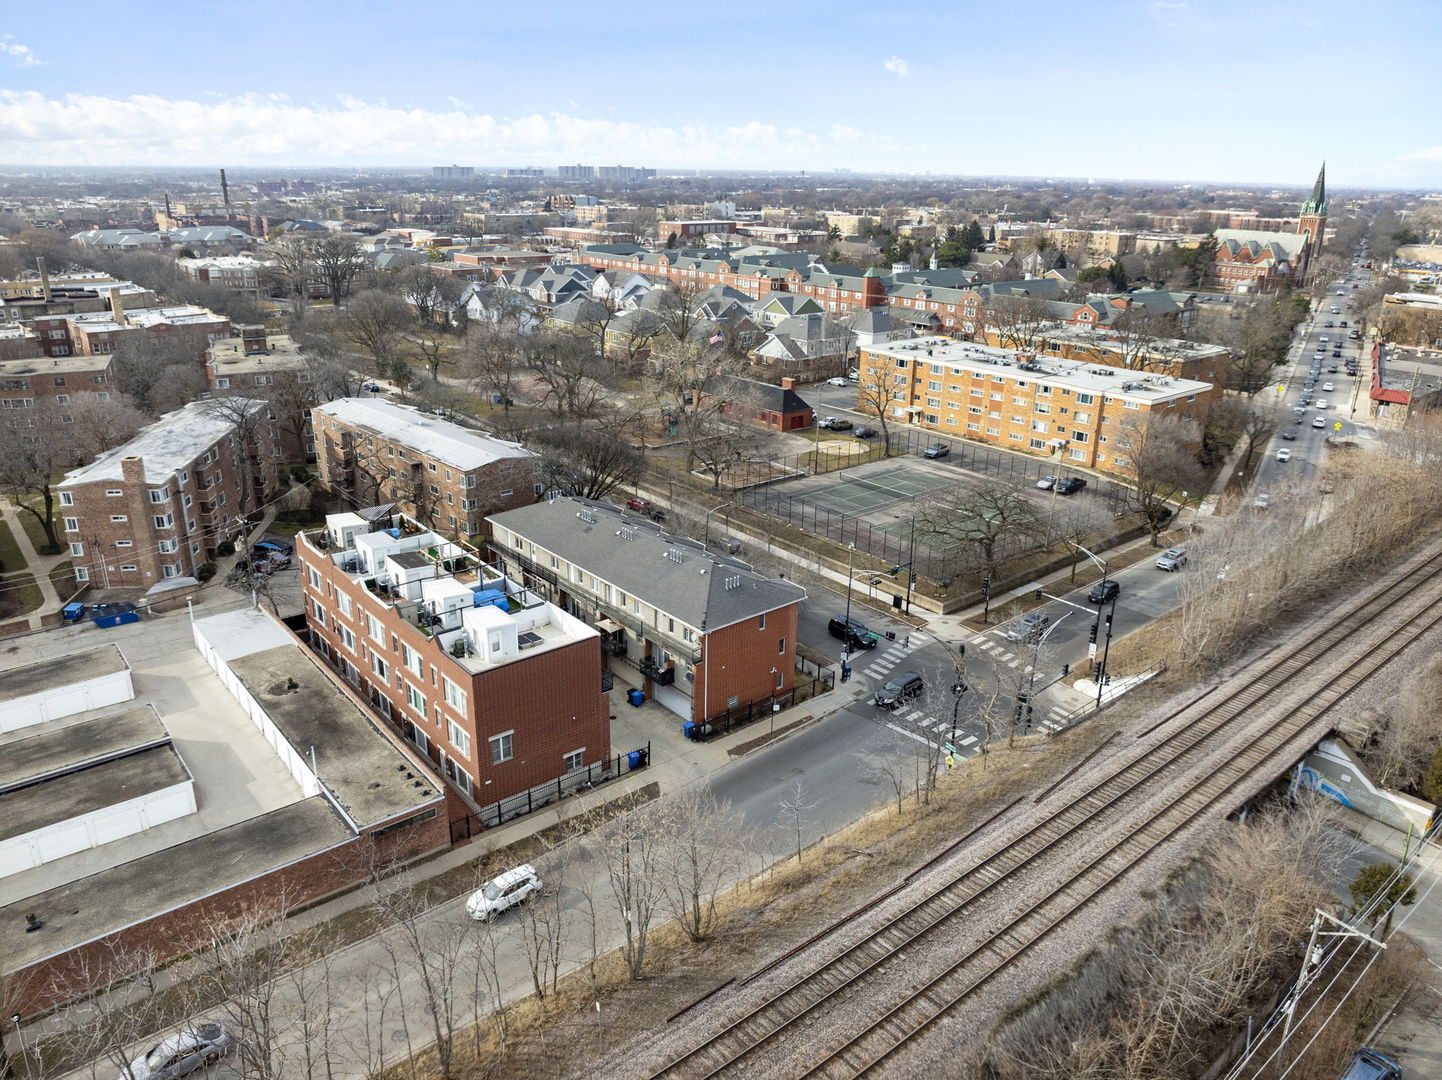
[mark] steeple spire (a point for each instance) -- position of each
(1317, 204)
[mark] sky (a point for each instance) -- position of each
(1249, 91)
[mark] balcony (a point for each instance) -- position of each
(615, 644)
(659, 675)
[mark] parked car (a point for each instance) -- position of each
(834, 423)
(1368, 1064)
(852, 632)
(1046, 482)
(838, 381)
(1069, 485)
(1328, 324)
(503, 892)
(1284, 454)
(1317, 421)
(176, 1055)
(902, 686)
(1343, 323)
(853, 375)
(647, 507)
(1262, 501)
(1327, 387)
(1320, 403)
(1104, 591)
(1172, 559)
(370, 387)
(937, 450)
(1029, 627)
(864, 432)
(1288, 434)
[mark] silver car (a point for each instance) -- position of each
(176, 1055)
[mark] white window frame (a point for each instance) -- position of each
(460, 739)
(503, 747)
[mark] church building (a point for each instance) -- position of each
(1258, 261)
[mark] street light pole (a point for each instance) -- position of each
(706, 541)
(1097, 622)
(846, 640)
(1101, 675)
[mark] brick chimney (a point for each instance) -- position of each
(873, 290)
(132, 470)
(117, 309)
(788, 383)
(252, 338)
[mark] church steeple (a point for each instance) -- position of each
(1317, 204)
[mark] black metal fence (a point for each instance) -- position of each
(537, 798)
(769, 706)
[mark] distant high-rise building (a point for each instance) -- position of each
(576, 172)
(525, 172)
(624, 173)
(453, 172)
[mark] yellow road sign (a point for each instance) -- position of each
(1337, 426)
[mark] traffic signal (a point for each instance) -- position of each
(894, 571)
(1092, 633)
(1039, 594)
(986, 584)
(1065, 670)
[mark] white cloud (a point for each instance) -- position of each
(21, 54)
(264, 129)
(898, 67)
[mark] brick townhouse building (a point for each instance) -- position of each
(269, 366)
(369, 451)
(97, 333)
(1021, 401)
(158, 506)
(497, 687)
(701, 633)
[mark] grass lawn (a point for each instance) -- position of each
(22, 591)
(9, 549)
(62, 578)
(31, 525)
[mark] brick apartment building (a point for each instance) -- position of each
(701, 633)
(1024, 402)
(369, 451)
(100, 332)
(25, 384)
(269, 366)
(497, 687)
(686, 230)
(158, 506)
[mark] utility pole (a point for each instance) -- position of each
(846, 641)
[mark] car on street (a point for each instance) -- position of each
(1284, 454)
(1289, 434)
(503, 892)
(1070, 485)
(854, 633)
(1317, 421)
(195, 1047)
(1323, 339)
(1172, 559)
(853, 375)
(1328, 324)
(373, 388)
(1104, 591)
(1369, 1064)
(1327, 387)
(864, 432)
(1046, 483)
(937, 450)
(839, 381)
(1262, 501)
(1343, 323)
(901, 687)
(1337, 353)
(834, 423)
(1320, 403)
(1029, 627)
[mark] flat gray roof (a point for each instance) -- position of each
(49, 802)
(53, 751)
(62, 671)
(94, 906)
(450, 443)
(166, 446)
(364, 770)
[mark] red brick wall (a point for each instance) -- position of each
(741, 658)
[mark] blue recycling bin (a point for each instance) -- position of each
(636, 759)
(637, 698)
(688, 729)
(74, 611)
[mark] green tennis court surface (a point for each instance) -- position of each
(855, 496)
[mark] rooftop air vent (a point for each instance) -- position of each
(674, 555)
(588, 516)
(627, 533)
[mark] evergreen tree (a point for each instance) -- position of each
(973, 237)
(991, 235)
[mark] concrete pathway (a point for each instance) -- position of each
(35, 563)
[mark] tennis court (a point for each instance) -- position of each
(855, 497)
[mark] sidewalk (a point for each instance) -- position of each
(35, 564)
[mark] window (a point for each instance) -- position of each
(342, 601)
(346, 637)
(67, 498)
(375, 629)
(455, 696)
(576, 759)
(460, 739)
(781, 646)
(82, 574)
(501, 747)
(1085, 399)
(415, 699)
(77, 549)
(160, 495)
(164, 521)
(314, 577)
(412, 660)
(128, 543)
(761, 621)
(459, 776)
(380, 667)
(113, 492)
(780, 679)
(128, 566)
(72, 524)
(118, 517)
(222, 384)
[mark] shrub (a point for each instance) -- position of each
(300, 473)
(205, 571)
(224, 548)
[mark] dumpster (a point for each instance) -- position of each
(636, 759)
(637, 698)
(118, 618)
(74, 611)
(688, 729)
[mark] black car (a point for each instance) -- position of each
(1288, 434)
(1069, 485)
(1103, 591)
(937, 450)
(902, 686)
(855, 634)
(1336, 352)
(865, 432)
(1331, 369)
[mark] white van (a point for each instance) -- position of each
(503, 893)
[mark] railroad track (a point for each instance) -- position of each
(1398, 608)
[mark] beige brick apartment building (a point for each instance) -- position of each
(500, 689)
(1035, 404)
(158, 506)
(268, 366)
(701, 633)
(370, 450)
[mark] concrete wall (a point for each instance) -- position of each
(1335, 771)
(58, 701)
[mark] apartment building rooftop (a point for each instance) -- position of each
(1106, 339)
(280, 353)
(458, 447)
(166, 446)
(479, 617)
(60, 365)
(674, 574)
(1080, 375)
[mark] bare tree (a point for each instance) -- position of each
(1158, 457)
(876, 387)
(794, 814)
(436, 346)
(492, 359)
(631, 848)
(1019, 322)
(31, 463)
(722, 446)
(705, 853)
(99, 425)
(432, 296)
(374, 322)
(568, 373)
(148, 367)
(986, 518)
(292, 269)
(588, 462)
(337, 260)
